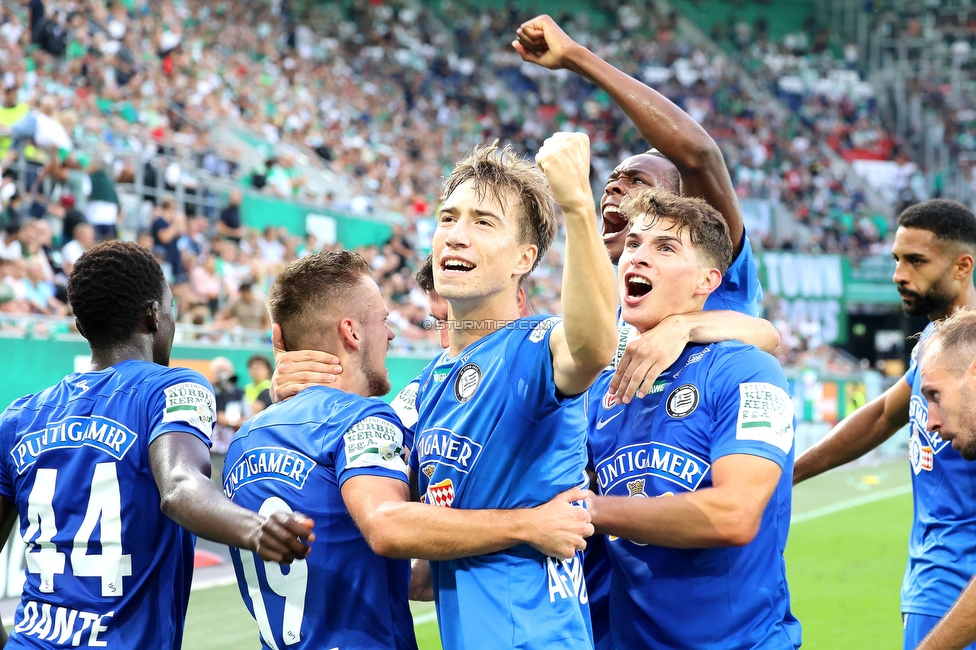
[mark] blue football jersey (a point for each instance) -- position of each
(493, 432)
(405, 406)
(295, 456)
(716, 400)
(942, 545)
(105, 567)
(740, 289)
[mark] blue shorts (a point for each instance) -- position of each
(917, 626)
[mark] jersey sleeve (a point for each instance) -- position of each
(912, 374)
(6, 472)
(753, 412)
(529, 363)
(373, 445)
(740, 289)
(182, 400)
(405, 406)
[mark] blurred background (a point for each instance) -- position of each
(231, 137)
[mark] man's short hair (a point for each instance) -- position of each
(502, 172)
(108, 290)
(957, 337)
(315, 291)
(707, 230)
(425, 275)
(948, 220)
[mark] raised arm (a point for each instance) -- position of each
(584, 342)
(858, 433)
(663, 124)
(648, 356)
(727, 514)
(181, 466)
(396, 527)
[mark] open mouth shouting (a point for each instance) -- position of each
(613, 222)
(637, 288)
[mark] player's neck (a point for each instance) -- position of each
(965, 300)
(471, 321)
(127, 351)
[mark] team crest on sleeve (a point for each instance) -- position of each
(441, 493)
(375, 442)
(765, 415)
(682, 401)
(192, 404)
(467, 382)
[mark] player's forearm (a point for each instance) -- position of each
(702, 519)
(422, 531)
(589, 294)
(958, 628)
(662, 123)
(854, 436)
(194, 502)
(715, 326)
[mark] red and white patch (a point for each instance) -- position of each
(608, 401)
(441, 494)
(927, 460)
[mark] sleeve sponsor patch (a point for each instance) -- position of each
(405, 404)
(193, 404)
(375, 442)
(542, 328)
(765, 415)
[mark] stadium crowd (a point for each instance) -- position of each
(138, 89)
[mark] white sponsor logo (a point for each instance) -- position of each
(192, 404)
(541, 329)
(765, 415)
(375, 442)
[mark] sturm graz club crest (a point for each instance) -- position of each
(683, 401)
(467, 382)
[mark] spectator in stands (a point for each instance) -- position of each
(82, 239)
(246, 311)
(257, 394)
(104, 210)
(71, 217)
(39, 290)
(229, 225)
(167, 227)
(13, 111)
(271, 249)
(232, 409)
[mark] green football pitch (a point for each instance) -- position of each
(845, 558)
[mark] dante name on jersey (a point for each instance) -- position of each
(492, 432)
(942, 544)
(295, 456)
(105, 567)
(715, 401)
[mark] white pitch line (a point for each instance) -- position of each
(850, 503)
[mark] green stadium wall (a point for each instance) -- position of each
(352, 232)
(33, 364)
